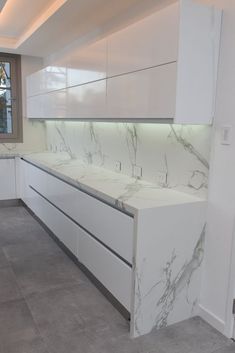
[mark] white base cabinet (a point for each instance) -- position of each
(7, 179)
(104, 249)
(151, 262)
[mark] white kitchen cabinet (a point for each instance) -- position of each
(49, 79)
(159, 68)
(87, 64)
(149, 42)
(113, 273)
(76, 67)
(7, 179)
(147, 93)
(87, 101)
(59, 224)
(110, 226)
(35, 107)
(186, 33)
(165, 241)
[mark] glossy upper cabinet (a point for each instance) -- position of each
(161, 67)
(88, 64)
(76, 67)
(150, 42)
(146, 93)
(165, 66)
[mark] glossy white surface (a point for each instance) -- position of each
(183, 90)
(87, 64)
(197, 63)
(8, 179)
(112, 227)
(114, 274)
(150, 42)
(86, 101)
(144, 94)
(63, 227)
(122, 191)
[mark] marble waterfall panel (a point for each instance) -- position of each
(171, 156)
(167, 266)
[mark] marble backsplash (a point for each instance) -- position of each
(171, 156)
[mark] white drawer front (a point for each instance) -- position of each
(60, 225)
(113, 273)
(111, 226)
(7, 179)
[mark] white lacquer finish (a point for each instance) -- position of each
(144, 94)
(63, 227)
(150, 42)
(114, 274)
(87, 64)
(111, 226)
(7, 179)
(87, 101)
(49, 79)
(35, 107)
(55, 104)
(199, 40)
(162, 67)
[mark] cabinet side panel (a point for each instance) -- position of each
(197, 62)
(169, 255)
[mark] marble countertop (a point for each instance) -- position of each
(120, 190)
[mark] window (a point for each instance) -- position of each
(10, 98)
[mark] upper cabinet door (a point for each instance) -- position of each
(87, 64)
(150, 42)
(143, 94)
(161, 67)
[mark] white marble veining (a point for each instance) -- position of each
(125, 192)
(171, 156)
(168, 265)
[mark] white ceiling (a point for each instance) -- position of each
(42, 27)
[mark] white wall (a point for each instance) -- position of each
(34, 137)
(218, 284)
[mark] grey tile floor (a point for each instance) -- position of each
(47, 305)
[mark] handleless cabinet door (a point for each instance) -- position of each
(110, 226)
(144, 94)
(113, 273)
(150, 42)
(7, 179)
(87, 101)
(55, 104)
(88, 64)
(35, 107)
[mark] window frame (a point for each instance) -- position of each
(16, 84)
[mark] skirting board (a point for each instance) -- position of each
(212, 319)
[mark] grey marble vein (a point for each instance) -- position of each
(65, 144)
(189, 147)
(173, 285)
(94, 138)
(130, 190)
(132, 140)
